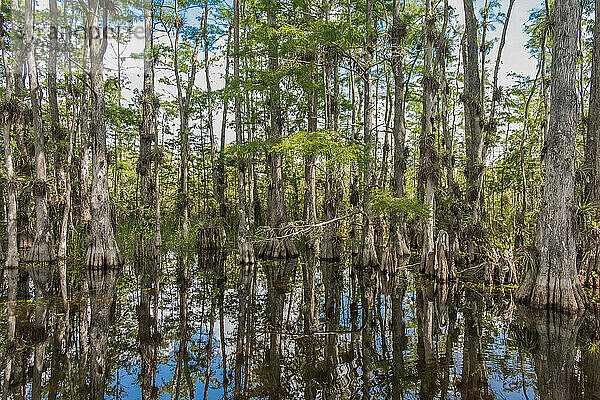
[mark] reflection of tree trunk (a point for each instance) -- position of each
(221, 282)
(58, 367)
(447, 310)
(102, 285)
(332, 281)
(278, 282)
(308, 290)
(83, 337)
(473, 382)
(368, 281)
(40, 336)
(147, 332)
(425, 349)
(554, 357)
(590, 359)
(399, 339)
(243, 291)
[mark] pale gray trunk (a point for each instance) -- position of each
(147, 127)
(397, 247)
(428, 154)
(275, 248)
(86, 145)
(554, 282)
(11, 263)
(217, 192)
(103, 250)
(245, 247)
(368, 256)
(42, 250)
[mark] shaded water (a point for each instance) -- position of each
(372, 336)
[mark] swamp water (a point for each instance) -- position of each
(416, 340)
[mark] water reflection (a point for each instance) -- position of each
(206, 328)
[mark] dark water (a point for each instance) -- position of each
(412, 339)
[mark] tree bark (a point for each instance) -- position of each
(103, 250)
(428, 154)
(245, 247)
(368, 256)
(397, 243)
(475, 147)
(42, 250)
(554, 282)
(11, 263)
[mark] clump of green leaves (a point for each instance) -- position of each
(319, 143)
(383, 201)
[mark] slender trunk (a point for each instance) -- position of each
(147, 132)
(397, 245)
(221, 162)
(86, 145)
(428, 153)
(42, 250)
(491, 123)
(149, 260)
(218, 195)
(368, 256)
(245, 247)
(520, 220)
(11, 264)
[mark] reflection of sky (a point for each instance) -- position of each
(500, 355)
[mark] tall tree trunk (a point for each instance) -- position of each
(475, 147)
(397, 245)
(42, 250)
(86, 145)
(217, 189)
(368, 255)
(428, 152)
(102, 251)
(147, 133)
(330, 245)
(221, 163)
(11, 263)
(103, 258)
(275, 248)
(245, 247)
(554, 282)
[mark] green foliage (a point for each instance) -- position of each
(322, 142)
(384, 202)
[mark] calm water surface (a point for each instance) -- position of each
(416, 339)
